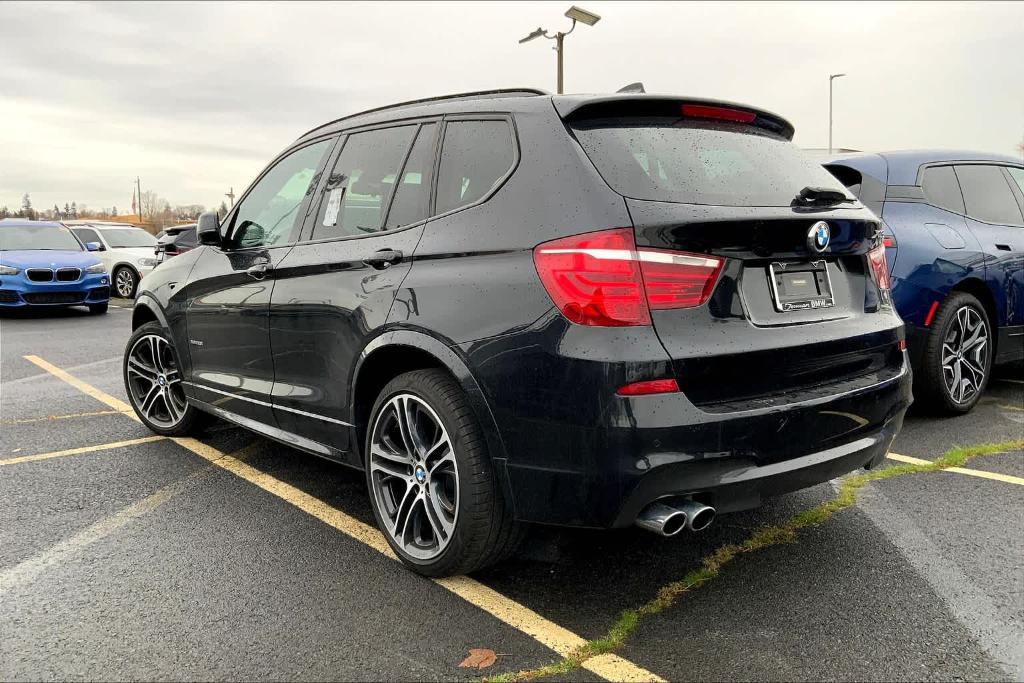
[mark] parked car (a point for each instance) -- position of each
(597, 311)
(954, 224)
(126, 251)
(44, 264)
(175, 240)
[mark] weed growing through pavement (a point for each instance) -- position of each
(762, 538)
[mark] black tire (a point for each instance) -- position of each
(485, 531)
(192, 419)
(931, 387)
(98, 309)
(125, 282)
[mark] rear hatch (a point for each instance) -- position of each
(790, 314)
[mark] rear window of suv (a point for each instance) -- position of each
(699, 162)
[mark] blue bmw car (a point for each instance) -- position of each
(44, 264)
(954, 232)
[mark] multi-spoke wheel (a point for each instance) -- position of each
(431, 482)
(414, 478)
(958, 355)
(152, 379)
(125, 282)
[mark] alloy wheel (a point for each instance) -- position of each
(154, 381)
(965, 355)
(125, 283)
(413, 476)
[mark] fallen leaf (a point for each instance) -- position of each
(479, 658)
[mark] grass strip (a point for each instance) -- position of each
(762, 538)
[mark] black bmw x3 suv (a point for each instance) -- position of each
(513, 307)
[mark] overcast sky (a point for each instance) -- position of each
(196, 98)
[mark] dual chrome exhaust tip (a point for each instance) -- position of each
(668, 520)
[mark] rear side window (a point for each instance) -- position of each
(475, 155)
(1018, 176)
(361, 183)
(677, 160)
(412, 196)
(941, 188)
(987, 195)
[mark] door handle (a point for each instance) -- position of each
(259, 271)
(1003, 247)
(383, 259)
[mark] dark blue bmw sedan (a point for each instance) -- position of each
(44, 264)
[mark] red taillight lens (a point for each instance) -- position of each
(880, 269)
(701, 111)
(594, 279)
(888, 241)
(602, 279)
(676, 280)
(651, 386)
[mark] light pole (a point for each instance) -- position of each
(831, 78)
(576, 14)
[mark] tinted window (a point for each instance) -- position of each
(361, 183)
(128, 237)
(186, 238)
(86, 235)
(1018, 176)
(474, 157)
(987, 195)
(18, 238)
(412, 196)
(941, 188)
(697, 162)
(270, 211)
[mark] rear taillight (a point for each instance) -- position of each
(879, 268)
(602, 279)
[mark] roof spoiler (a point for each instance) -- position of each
(576, 108)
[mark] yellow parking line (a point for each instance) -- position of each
(77, 451)
(47, 418)
(117, 404)
(520, 617)
(1009, 407)
(960, 470)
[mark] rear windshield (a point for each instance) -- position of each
(48, 237)
(120, 238)
(725, 164)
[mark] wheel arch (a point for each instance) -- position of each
(146, 311)
(400, 351)
(980, 291)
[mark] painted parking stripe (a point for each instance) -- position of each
(960, 470)
(79, 451)
(47, 418)
(516, 615)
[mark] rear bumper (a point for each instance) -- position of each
(662, 446)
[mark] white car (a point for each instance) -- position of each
(126, 251)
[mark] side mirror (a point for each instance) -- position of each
(94, 246)
(208, 229)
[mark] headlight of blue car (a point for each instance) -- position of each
(8, 270)
(147, 263)
(96, 268)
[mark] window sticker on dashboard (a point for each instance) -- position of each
(800, 286)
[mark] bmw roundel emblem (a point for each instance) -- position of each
(818, 236)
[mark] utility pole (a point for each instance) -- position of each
(138, 186)
(230, 194)
(831, 78)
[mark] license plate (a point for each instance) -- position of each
(800, 286)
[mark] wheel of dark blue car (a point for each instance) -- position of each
(432, 487)
(958, 356)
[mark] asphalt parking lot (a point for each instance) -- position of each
(125, 556)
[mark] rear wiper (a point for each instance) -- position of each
(821, 195)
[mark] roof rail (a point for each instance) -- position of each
(475, 95)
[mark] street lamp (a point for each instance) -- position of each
(576, 14)
(831, 78)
